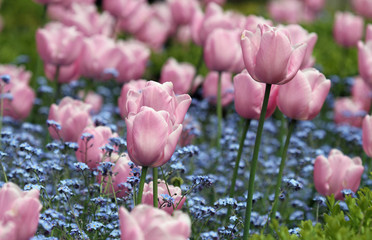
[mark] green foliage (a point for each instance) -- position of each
(356, 223)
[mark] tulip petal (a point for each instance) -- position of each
(130, 230)
(322, 173)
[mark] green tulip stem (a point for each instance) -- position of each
(292, 124)
(248, 210)
(155, 186)
(247, 123)
(142, 183)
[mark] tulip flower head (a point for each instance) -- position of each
(367, 135)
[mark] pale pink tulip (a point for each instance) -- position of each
(120, 173)
(348, 29)
(66, 73)
(16, 73)
(297, 35)
(19, 212)
(146, 222)
(252, 22)
(133, 60)
(182, 10)
(269, 55)
(348, 111)
(365, 61)
(315, 5)
(100, 54)
(231, 58)
(58, 44)
(303, 97)
(159, 97)
(90, 149)
(288, 11)
(135, 85)
(152, 136)
(369, 32)
(169, 206)
(363, 7)
(73, 116)
(196, 25)
(122, 8)
(362, 93)
(249, 95)
(210, 87)
(138, 18)
(367, 135)
(180, 74)
(336, 173)
(94, 99)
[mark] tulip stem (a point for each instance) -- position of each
(155, 186)
(247, 123)
(142, 183)
(248, 210)
(219, 112)
(292, 124)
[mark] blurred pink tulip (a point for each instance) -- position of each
(88, 20)
(174, 192)
(196, 25)
(92, 98)
(58, 44)
(73, 116)
(367, 135)
(135, 85)
(66, 74)
(269, 55)
(365, 61)
(348, 111)
(120, 172)
(303, 97)
(17, 74)
(363, 7)
(219, 2)
(297, 35)
(288, 11)
(147, 222)
(180, 74)
(362, 93)
(133, 60)
(121, 8)
(138, 18)
(19, 212)
(347, 29)
(90, 145)
(369, 32)
(249, 95)
(100, 54)
(182, 10)
(210, 87)
(152, 137)
(252, 22)
(315, 5)
(159, 97)
(336, 173)
(183, 34)
(230, 59)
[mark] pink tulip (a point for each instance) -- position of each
(196, 25)
(365, 61)
(252, 22)
(120, 173)
(367, 135)
(183, 34)
(231, 58)
(58, 44)
(121, 8)
(19, 212)
(269, 55)
(133, 60)
(219, 2)
(249, 95)
(369, 33)
(94, 99)
(180, 74)
(159, 97)
(363, 7)
(138, 18)
(66, 74)
(347, 29)
(99, 55)
(163, 189)
(182, 10)
(288, 11)
(361, 93)
(151, 136)
(303, 97)
(210, 87)
(90, 147)
(17, 74)
(146, 222)
(135, 85)
(73, 116)
(336, 173)
(348, 111)
(298, 35)
(315, 5)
